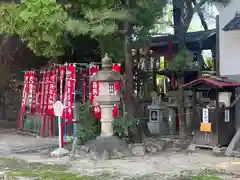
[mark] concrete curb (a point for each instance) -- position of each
(32, 149)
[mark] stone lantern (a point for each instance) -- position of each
(107, 96)
(157, 115)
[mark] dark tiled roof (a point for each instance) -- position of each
(191, 37)
(213, 81)
(234, 24)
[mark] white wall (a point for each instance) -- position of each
(229, 40)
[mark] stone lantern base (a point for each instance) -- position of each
(108, 148)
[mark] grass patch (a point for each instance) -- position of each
(208, 174)
(53, 173)
(18, 168)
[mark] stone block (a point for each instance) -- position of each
(192, 148)
(138, 149)
(103, 148)
(60, 152)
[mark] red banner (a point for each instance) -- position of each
(62, 71)
(25, 92)
(69, 90)
(116, 68)
(94, 91)
(41, 96)
(52, 91)
(84, 76)
(46, 91)
(32, 92)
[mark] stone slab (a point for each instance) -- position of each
(60, 152)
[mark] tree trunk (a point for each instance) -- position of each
(181, 115)
(180, 31)
(128, 82)
(102, 47)
(4, 74)
(131, 106)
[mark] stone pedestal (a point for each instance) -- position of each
(110, 147)
(158, 125)
(106, 121)
(154, 119)
(157, 115)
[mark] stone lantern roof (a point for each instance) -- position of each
(106, 61)
(107, 74)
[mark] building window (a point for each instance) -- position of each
(111, 88)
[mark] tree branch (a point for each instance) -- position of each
(190, 13)
(200, 14)
(201, 3)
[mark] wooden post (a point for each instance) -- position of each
(217, 58)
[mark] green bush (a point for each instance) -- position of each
(123, 127)
(89, 127)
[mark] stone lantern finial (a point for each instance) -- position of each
(106, 61)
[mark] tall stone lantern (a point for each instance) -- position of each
(107, 96)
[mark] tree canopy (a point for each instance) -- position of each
(45, 25)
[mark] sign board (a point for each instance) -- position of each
(205, 118)
(154, 114)
(206, 127)
(227, 115)
(58, 108)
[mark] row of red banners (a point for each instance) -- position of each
(40, 96)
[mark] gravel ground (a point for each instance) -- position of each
(165, 165)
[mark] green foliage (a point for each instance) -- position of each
(40, 23)
(89, 127)
(114, 46)
(46, 25)
(123, 126)
(147, 13)
(181, 61)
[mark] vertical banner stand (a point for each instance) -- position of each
(58, 110)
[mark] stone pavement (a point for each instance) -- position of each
(13, 142)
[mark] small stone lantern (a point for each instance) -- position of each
(107, 96)
(157, 113)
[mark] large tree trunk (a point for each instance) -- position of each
(181, 114)
(131, 106)
(180, 31)
(14, 58)
(128, 80)
(4, 68)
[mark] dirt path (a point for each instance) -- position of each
(165, 165)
